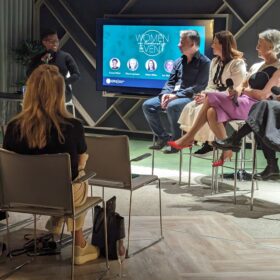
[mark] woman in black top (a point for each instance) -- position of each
(264, 121)
(45, 127)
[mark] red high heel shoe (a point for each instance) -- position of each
(221, 160)
(174, 145)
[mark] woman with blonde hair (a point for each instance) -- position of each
(228, 63)
(219, 107)
(45, 127)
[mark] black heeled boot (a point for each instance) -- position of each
(271, 172)
(232, 143)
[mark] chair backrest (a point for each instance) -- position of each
(109, 158)
(38, 181)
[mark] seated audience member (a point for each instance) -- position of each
(54, 56)
(188, 77)
(227, 64)
(219, 107)
(45, 127)
(264, 121)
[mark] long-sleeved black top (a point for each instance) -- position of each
(191, 77)
(65, 62)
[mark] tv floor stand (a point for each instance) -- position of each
(118, 107)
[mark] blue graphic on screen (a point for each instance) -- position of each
(140, 55)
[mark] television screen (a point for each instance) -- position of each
(136, 56)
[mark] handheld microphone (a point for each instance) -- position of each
(229, 83)
(275, 90)
(48, 58)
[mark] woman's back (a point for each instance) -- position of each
(74, 142)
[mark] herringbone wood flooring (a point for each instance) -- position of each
(206, 247)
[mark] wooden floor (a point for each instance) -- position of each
(196, 247)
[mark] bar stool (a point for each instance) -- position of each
(241, 159)
(165, 122)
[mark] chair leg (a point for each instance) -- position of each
(253, 180)
(153, 155)
(8, 237)
(213, 171)
(62, 232)
(180, 166)
(106, 235)
(190, 167)
(235, 176)
(129, 221)
(160, 209)
(73, 249)
(92, 210)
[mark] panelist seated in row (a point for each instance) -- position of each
(219, 108)
(188, 77)
(228, 63)
(45, 127)
(264, 121)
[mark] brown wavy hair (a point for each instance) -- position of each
(43, 107)
(229, 46)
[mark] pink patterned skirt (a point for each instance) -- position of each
(226, 110)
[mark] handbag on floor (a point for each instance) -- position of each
(115, 228)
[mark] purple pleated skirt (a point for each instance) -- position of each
(225, 108)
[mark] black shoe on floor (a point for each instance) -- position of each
(269, 173)
(170, 150)
(160, 143)
(204, 150)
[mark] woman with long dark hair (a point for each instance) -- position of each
(227, 63)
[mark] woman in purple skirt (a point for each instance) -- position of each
(235, 105)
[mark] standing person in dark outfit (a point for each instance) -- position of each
(188, 77)
(53, 55)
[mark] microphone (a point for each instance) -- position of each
(229, 83)
(48, 58)
(275, 90)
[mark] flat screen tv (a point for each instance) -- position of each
(135, 56)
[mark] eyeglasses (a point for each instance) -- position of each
(53, 42)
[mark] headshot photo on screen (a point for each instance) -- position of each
(151, 65)
(115, 63)
(132, 64)
(168, 65)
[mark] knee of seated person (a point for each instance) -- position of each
(145, 105)
(173, 107)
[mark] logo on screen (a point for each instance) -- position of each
(152, 42)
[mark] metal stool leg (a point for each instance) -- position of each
(180, 166)
(190, 167)
(253, 173)
(153, 155)
(235, 176)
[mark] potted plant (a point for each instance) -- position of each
(25, 52)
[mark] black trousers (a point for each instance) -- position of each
(269, 154)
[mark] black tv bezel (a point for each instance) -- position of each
(132, 91)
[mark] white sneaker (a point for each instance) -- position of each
(86, 254)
